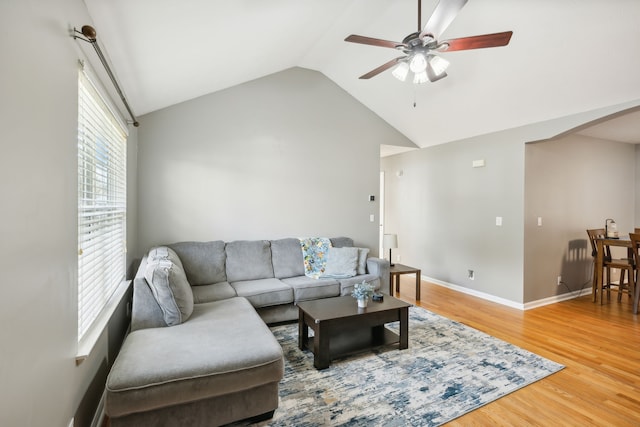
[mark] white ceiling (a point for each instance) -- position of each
(565, 56)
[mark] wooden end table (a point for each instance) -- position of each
(341, 328)
(396, 271)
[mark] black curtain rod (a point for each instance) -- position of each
(89, 34)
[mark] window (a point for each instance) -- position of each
(102, 202)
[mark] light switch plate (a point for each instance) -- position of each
(499, 221)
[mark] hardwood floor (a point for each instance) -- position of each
(598, 344)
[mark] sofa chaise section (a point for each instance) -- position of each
(161, 373)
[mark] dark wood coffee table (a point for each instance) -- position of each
(341, 328)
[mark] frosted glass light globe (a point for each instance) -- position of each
(418, 63)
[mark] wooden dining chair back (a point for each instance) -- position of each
(635, 247)
(626, 266)
(594, 234)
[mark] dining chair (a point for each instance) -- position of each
(635, 246)
(626, 266)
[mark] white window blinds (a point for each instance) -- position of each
(102, 202)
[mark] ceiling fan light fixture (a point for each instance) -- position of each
(401, 71)
(418, 63)
(419, 47)
(421, 77)
(438, 64)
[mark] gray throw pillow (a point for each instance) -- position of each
(164, 252)
(170, 288)
(363, 253)
(341, 263)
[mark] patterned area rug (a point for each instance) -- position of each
(448, 370)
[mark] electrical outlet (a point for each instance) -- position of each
(471, 275)
(559, 280)
(397, 258)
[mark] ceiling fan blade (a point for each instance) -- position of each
(382, 68)
(477, 42)
(442, 16)
(353, 38)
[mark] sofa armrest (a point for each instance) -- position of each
(380, 267)
(145, 311)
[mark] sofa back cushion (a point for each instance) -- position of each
(341, 242)
(204, 262)
(248, 260)
(287, 258)
(169, 285)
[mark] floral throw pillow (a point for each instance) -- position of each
(314, 253)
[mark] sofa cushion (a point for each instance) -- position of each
(214, 292)
(170, 288)
(341, 242)
(204, 357)
(204, 262)
(248, 260)
(363, 254)
(346, 285)
(264, 292)
(305, 288)
(286, 256)
(341, 262)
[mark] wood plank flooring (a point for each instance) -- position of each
(598, 344)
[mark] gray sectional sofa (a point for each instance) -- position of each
(200, 352)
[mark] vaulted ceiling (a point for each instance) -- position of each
(565, 56)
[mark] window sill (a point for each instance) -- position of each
(90, 339)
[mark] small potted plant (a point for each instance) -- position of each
(362, 292)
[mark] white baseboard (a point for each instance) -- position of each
(504, 301)
(557, 298)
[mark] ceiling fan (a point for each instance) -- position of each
(419, 48)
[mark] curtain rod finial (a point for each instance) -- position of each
(89, 32)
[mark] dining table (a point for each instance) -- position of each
(623, 242)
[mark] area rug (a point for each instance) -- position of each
(448, 370)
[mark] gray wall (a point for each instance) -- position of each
(287, 155)
(40, 383)
(573, 183)
(636, 217)
(444, 212)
